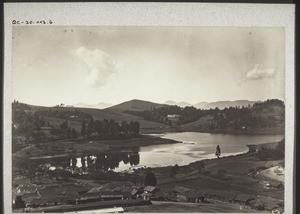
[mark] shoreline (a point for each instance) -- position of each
(68, 148)
(221, 157)
(214, 131)
(231, 179)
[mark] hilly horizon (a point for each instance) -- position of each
(224, 104)
(213, 105)
(100, 105)
(136, 110)
(141, 105)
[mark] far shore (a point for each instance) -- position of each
(163, 130)
(69, 148)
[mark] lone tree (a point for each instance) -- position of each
(150, 179)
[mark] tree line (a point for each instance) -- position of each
(30, 124)
(103, 129)
(267, 114)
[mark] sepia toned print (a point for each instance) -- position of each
(148, 119)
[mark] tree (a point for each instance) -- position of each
(98, 126)
(90, 127)
(135, 127)
(68, 133)
(83, 128)
(73, 134)
(105, 126)
(150, 179)
(125, 127)
(113, 129)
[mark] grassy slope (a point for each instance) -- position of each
(236, 180)
(204, 123)
(99, 114)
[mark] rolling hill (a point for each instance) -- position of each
(101, 114)
(136, 105)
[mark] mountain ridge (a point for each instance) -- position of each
(100, 105)
(219, 104)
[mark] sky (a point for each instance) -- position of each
(53, 65)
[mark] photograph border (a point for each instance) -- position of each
(155, 14)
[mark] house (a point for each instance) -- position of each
(33, 202)
(174, 119)
(88, 198)
(188, 195)
(221, 195)
(115, 195)
(151, 189)
(150, 192)
(25, 188)
(19, 191)
(114, 191)
(243, 199)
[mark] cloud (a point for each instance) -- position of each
(258, 72)
(100, 64)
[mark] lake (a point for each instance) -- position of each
(192, 146)
(198, 146)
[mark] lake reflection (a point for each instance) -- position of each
(91, 163)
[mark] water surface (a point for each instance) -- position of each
(191, 147)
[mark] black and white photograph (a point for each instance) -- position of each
(149, 119)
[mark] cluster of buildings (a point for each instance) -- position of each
(32, 198)
(121, 194)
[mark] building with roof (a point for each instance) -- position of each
(243, 199)
(174, 119)
(188, 195)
